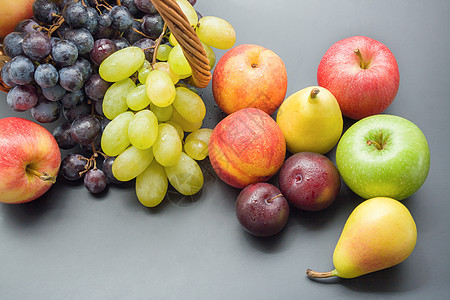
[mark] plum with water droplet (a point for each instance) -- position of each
(309, 181)
(261, 209)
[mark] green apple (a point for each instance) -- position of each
(383, 155)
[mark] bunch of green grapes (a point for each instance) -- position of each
(155, 133)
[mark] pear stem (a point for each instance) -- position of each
(314, 274)
(314, 93)
(43, 176)
(361, 61)
(274, 197)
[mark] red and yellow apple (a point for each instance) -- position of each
(362, 74)
(12, 13)
(246, 147)
(29, 160)
(249, 76)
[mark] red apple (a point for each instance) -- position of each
(29, 160)
(362, 74)
(12, 13)
(249, 76)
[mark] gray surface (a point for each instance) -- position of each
(71, 245)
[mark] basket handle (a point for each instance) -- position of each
(188, 40)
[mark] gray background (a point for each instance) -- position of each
(71, 245)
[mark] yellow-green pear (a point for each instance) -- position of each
(379, 234)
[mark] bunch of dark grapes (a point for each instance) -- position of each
(53, 72)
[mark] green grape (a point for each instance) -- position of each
(178, 62)
(115, 99)
(121, 64)
(196, 149)
(186, 125)
(177, 127)
(115, 135)
(216, 32)
(172, 40)
(168, 146)
(143, 129)
(151, 185)
(185, 176)
(163, 114)
(160, 88)
(163, 51)
(210, 54)
(188, 11)
(189, 105)
(203, 134)
(164, 66)
(137, 98)
(143, 71)
(131, 162)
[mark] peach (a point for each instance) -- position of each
(246, 147)
(11, 13)
(249, 76)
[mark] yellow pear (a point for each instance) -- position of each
(379, 234)
(311, 120)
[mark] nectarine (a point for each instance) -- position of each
(12, 13)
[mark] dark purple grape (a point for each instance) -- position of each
(104, 33)
(96, 87)
(64, 53)
(121, 43)
(54, 40)
(131, 34)
(54, 93)
(104, 122)
(73, 166)
(62, 29)
(63, 3)
(72, 99)
(36, 45)
(146, 6)
(71, 114)
(12, 44)
(71, 78)
(132, 8)
(192, 2)
(121, 18)
(46, 75)
(152, 25)
(26, 26)
(5, 76)
(75, 14)
(85, 67)
(21, 70)
(104, 20)
(107, 169)
(62, 136)
(85, 129)
(92, 20)
(46, 111)
(101, 50)
(95, 181)
(148, 46)
(98, 107)
(45, 11)
(89, 149)
(22, 97)
(82, 38)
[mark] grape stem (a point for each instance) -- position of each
(43, 176)
(158, 42)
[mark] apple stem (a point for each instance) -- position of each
(274, 197)
(376, 144)
(314, 93)
(43, 176)
(314, 274)
(361, 61)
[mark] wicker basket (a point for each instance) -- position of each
(185, 35)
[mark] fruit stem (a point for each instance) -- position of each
(376, 144)
(362, 64)
(43, 176)
(274, 197)
(314, 274)
(314, 93)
